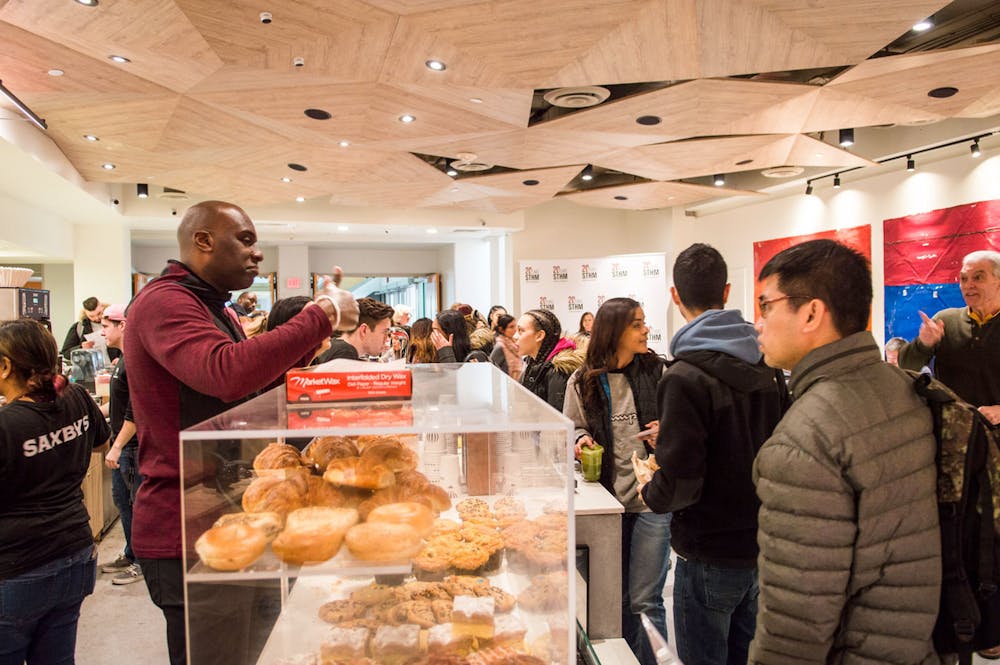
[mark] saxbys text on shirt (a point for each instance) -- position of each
(32, 447)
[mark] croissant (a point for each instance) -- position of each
(393, 455)
(358, 472)
(277, 456)
(322, 449)
(276, 494)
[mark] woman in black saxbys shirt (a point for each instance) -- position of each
(47, 559)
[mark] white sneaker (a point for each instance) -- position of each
(131, 574)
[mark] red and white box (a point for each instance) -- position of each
(348, 381)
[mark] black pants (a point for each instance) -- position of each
(230, 623)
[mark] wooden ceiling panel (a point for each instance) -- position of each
(548, 182)
(511, 107)
(236, 185)
(835, 110)
(117, 119)
(695, 108)
(345, 40)
(650, 195)
(405, 7)
(131, 164)
(155, 35)
(194, 126)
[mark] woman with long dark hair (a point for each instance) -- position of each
(451, 337)
(503, 336)
(421, 349)
(612, 400)
(48, 562)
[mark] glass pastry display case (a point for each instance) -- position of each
(437, 529)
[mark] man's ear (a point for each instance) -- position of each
(674, 296)
(814, 315)
(203, 240)
(725, 295)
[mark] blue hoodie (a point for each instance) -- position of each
(722, 330)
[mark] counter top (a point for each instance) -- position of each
(593, 499)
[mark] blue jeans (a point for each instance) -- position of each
(39, 610)
(645, 562)
(715, 613)
(124, 485)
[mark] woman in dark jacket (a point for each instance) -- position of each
(48, 563)
(451, 337)
(550, 359)
(611, 400)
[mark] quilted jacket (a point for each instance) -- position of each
(849, 558)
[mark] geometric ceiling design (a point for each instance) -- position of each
(213, 102)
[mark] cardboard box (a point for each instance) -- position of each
(348, 381)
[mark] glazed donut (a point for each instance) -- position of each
(414, 514)
(358, 472)
(382, 541)
(314, 534)
(277, 456)
(270, 523)
(231, 546)
(322, 449)
(276, 494)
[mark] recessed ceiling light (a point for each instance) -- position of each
(286, 179)
(407, 118)
(475, 100)
(344, 144)
(107, 167)
(588, 173)
(719, 180)
(91, 137)
(621, 198)
(300, 199)
(120, 59)
(942, 92)
(343, 227)
(436, 65)
(923, 26)
(56, 72)
(88, 3)
(530, 183)
(432, 231)
(649, 120)
(296, 167)
(452, 172)
(317, 114)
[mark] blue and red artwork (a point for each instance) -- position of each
(923, 256)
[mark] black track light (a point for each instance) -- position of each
(846, 138)
(911, 164)
(719, 180)
(809, 187)
(142, 190)
(974, 148)
(836, 181)
(588, 173)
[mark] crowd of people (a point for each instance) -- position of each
(789, 467)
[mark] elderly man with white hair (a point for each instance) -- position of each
(965, 341)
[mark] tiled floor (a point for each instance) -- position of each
(119, 624)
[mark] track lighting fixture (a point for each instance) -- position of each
(911, 164)
(719, 180)
(809, 187)
(974, 148)
(836, 181)
(142, 190)
(22, 107)
(846, 138)
(588, 173)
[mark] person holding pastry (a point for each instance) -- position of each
(612, 401)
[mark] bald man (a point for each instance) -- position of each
(188, 361)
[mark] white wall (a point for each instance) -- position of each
(473, 274)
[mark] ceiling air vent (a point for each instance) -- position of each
(782, 172)
(577, 98)
(171, 194)
(468, 162)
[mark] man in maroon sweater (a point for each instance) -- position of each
(189, 361)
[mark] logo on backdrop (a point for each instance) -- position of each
(587, 273)
(546, 303)
(600, 300)
(650, 270)
(559, 274)
(531, 275)
(642, 303)
(574, 305)
(618, 271)
(655, 336)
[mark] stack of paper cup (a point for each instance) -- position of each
(450, 474)
(430, 459)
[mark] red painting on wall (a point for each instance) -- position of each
(857, 237)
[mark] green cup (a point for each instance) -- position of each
(590, 462)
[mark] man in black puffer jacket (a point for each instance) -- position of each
(718, 404)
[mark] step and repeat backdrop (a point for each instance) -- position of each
(571, 287)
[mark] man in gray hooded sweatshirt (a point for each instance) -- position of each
(718, 404)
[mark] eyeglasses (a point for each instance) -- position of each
(765, 305)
